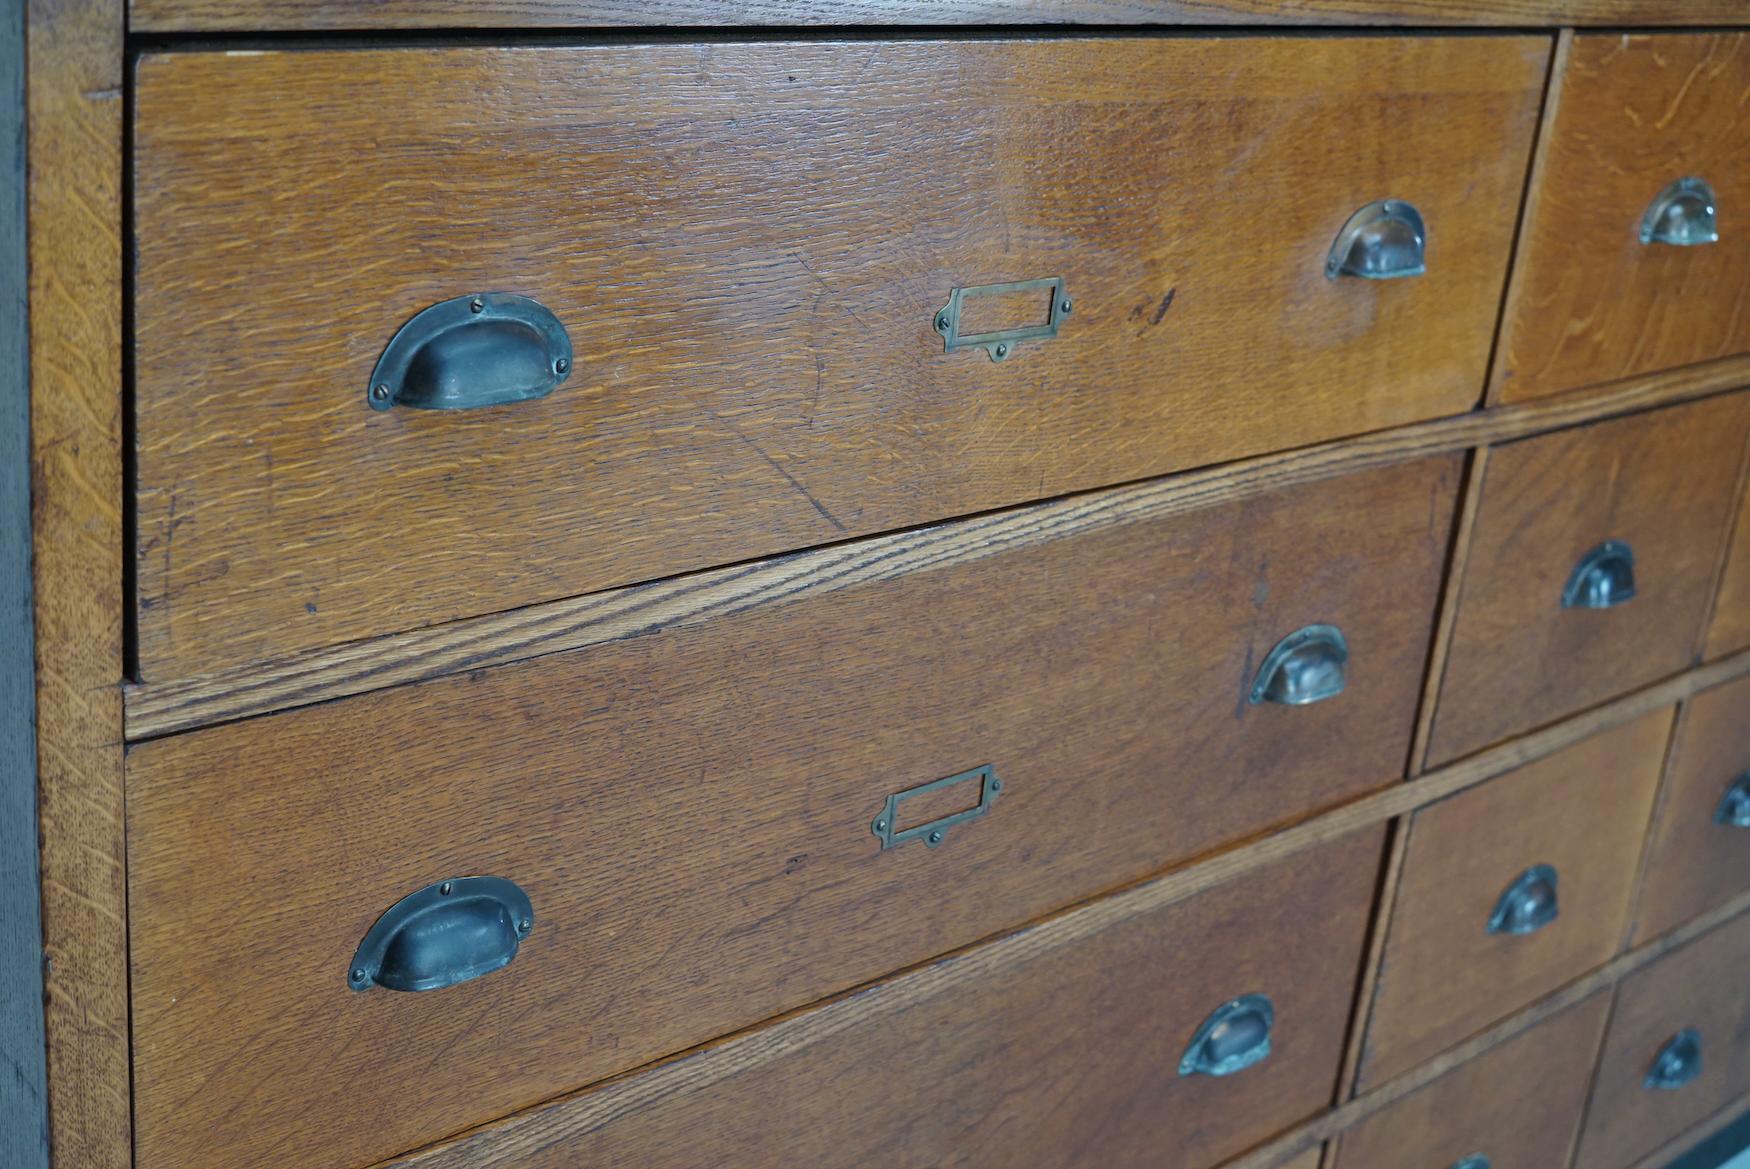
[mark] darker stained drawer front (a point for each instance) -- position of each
(1068, 1059)
(748, 246)
(1699, 854)
(1633, 115)
(1562, 517)
(691, 811)
(1678, 1050)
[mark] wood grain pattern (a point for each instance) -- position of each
(1067, 1058)
(190, 15)
(1520, 1104)
(1696, 1148)
(725, 871)
(1590, 302)
(75, 137)
(1666, 484)
(1701, 985)
(1582, 811)
(1694, 863)
(748, 244)
(157, 708)
(1729, 630)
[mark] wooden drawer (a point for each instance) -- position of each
(1519, 1104)
(1662, 484)
(1590, 301)
(1730, 630)
(1699, 853)
(690, 811)
(1450, 968)
(1069, 1059)
(749, 245)
(1700, 988)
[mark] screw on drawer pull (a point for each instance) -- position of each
(484, 349)
(1528, 904)
(1604, 578)
(444, 934)
(1734, 809)
(933, 832)
(1383, 241)
(1681, 215)
(1000, 343)
(1234, 1037)
(1474, 1161)
(1677, 1063)
(1309, 665)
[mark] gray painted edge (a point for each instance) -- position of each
(24, 1133)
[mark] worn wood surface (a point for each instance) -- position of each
(1729, 630)
(1703, 986)
(159, 708)
(1067, 1057)
(24, 1116)
(724, 870)
(185, 15)
(1590, 302)
(748, 244)
(1520, 1104)
(1694, 863)
(1444, 976)
(75, 76)
(1666, 484)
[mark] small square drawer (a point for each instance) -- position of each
(1678, 1050)
(1699, 854)
(1590, 570)
(1622, 269)
(1517, 1106)
(1511, 889)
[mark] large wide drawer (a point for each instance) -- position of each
(750, 247)
(1591, 568)
(1510, 890)
(691, 811)
(1076, 1057)
(1642, 162)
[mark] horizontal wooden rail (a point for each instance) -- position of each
(505, 1143)
(159, 708)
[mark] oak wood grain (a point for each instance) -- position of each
(156, 708)
(191, 15)
(1693, 862)
(1519, 1104)
(1729, 629)
(690, 812)
(748, 244)
(1582, 811)
(1702, 986)
(1590, 302)
(1665, 483)
(75, 135)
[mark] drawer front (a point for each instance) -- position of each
(691, 811)
(1567, 520)
(748, 246)
(1511, 890)
(1730, 631)
(1632, 115)
(1700, 989)
(1519, 1105)
(1699, 854)
(1070, 1060)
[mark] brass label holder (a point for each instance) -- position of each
(1000, 343)
(932, 832)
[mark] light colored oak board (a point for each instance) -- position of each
(748, 244)
(159, 708)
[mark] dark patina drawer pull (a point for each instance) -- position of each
(1309, 665)
(1383, 241)
(1528, 904)
(1474, 1161)
(479, 350)
(1734, 809)
(933, 832)
(1604, 578)
(1677, 1063)
(1682, 215)
(444, 934)
(1234, 1037)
